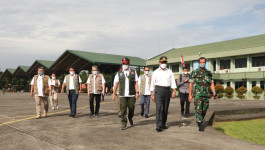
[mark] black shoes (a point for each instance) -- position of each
(131, 122)
(200, 125)
(158, 129)
(182, 114)
(91, 114)
(96, 115)
(142, 113)
(146, 116)
(164, 127)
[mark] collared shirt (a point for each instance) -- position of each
(40, 85)
(71, 82)
(126, 73)
(53, 83)
(163, 78)
(147, 87)
(88, 82)
(183, 86)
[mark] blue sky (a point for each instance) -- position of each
(44, 29)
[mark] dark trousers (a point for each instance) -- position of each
(127, 102)
(145, 99)
(91, 99)
(162, 98)
(184, 98)
(72, 97)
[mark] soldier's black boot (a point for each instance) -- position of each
(200, 125)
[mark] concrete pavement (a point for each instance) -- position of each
(19, 129)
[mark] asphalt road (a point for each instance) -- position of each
(20, 130)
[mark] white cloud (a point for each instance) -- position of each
(38, 29)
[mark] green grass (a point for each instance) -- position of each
(250, 130)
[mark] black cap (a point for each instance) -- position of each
(163, 59)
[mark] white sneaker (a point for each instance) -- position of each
(57, 107)
(52, 108)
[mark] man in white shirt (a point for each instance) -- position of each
(162, 80)
(95, 88)
(127, 81)
(73, 85)
(55, 90)
(41, 88)
(145, 94)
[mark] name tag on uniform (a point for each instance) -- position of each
(132, 73)
(121, 74)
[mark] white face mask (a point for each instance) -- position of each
(163, 66)
(94, 72)
(72, 72)
(125, 67)
(202, 65)
(53, 78)
(41, 73)
(146, 72)
(185, 72)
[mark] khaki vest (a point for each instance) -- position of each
(56, 86)
(122, 79)
(98, 83)
(142, 84)
(76, 84)
(45, 80)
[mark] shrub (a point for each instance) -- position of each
(256, 91)
(219, 89)
(241, 91)
(229, 92)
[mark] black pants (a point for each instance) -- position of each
(184, 98)
(162, 98)
(91, 99)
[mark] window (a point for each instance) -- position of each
(258, 61)
(175, 68)
(241, 63)
(262, 85)
(222, 83)
(214, 65)
(254, 83)
(187, 65)
(240, 83)
(228, 84)
(225, 64)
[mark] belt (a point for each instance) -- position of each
(164, 87)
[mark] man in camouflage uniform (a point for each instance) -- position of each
(200, 83)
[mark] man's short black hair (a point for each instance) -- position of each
(71, 67)
(146, 67)
(185, 68)
(201, 59)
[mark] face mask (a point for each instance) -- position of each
(94, 72)
(202, 65)
(41, 73)
(163, 66)
(125, 67)
(53, 78)
(72, 73)
(185, 72)
(146, 72)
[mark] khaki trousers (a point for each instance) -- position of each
(40, 100)
(118, 103)
(54, 99)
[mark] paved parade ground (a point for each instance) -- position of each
(20, 130)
